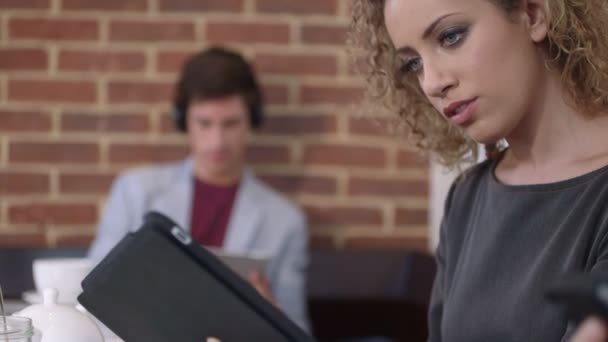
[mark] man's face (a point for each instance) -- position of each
(218, 132)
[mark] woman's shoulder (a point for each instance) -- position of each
(473, 175)
(465, 187)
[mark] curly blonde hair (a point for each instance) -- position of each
(577, 46)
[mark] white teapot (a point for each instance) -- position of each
(60, 323)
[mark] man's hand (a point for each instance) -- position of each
(591, 330)
(260, 283)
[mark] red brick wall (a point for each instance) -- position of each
(84, 93)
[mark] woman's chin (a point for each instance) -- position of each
(483, 135)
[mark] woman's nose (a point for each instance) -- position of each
(436, 82)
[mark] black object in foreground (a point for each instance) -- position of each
(159, 285)
(581, 296)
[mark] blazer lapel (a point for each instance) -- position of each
(176, 200)
(245, 218)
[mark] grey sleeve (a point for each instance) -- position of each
(601, 264)
(435, 313)
(115, 222)
(290, 285)
(599, 268)
(436, 306)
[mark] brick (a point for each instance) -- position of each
(53, 213)
(275, 94)
(322, 242)
(326, 7)
(167, 124)
(201, 6)
(411, 159)
(387, 187)
(21, 183)
(13, 59)
(369, 126)
(25, 4)
(140, 92)
(284, 125)
(411, 217)
(344, 155)
(19, 239)
(24, 121)
(138, 153)
(294, 184)
(267, 154)
(72, 60)
(106, 5)
(324, 34)
(335, 215)
(300, 124)
(53, 152)
(74, 239)
(390, 243)
(85, 183)
(53, 29)
(296, 64)
(222, 32)
(100, 122)
(52, 91)
(172, 61)
(330, 94)
(152, 31)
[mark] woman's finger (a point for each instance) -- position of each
(592, 330)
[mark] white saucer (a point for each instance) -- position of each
(31, 297)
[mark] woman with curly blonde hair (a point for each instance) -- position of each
(533, 74)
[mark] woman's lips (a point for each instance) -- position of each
(461, 112)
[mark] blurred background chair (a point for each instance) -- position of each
(16, 266)
(359, 294)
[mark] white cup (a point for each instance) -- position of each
(64, 274)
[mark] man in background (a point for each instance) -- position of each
(212, 194)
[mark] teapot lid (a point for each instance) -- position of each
(50, 296)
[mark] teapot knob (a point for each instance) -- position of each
(50, 296)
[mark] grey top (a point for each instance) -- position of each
(501, 246)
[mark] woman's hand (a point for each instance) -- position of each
(260, 283)
(592, 330)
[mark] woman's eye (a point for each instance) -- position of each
(452, 37)
(412, 65)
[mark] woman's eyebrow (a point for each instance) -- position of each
(427, 32)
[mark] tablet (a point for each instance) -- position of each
(242, 264)
(159, 285)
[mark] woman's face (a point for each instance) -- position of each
(477, 66)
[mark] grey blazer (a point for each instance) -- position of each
(262, 221)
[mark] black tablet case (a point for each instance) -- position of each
(159, 285)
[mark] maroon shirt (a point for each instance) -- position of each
(211, 208)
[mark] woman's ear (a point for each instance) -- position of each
(536, 19)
